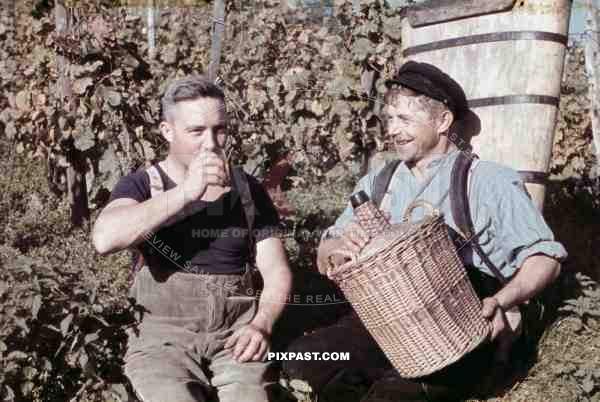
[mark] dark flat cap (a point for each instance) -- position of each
(429, 80)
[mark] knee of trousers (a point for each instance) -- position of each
(153, 389)
(237, 391)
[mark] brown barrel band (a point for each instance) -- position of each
(530, 176)
(513, 99)
(486, 38)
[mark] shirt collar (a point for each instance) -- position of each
(442, 160)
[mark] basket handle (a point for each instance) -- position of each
(416, 204)
(333, 269)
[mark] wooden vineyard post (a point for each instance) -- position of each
(76, 183)
(217, 36)
(592, 65)
(150, 13)
(62, 29)
(355, 7)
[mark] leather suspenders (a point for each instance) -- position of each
(156, 187)
(461, 211)
(459, 202)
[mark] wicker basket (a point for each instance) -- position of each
(412, 292)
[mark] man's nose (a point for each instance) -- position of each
(210, 142)
(390, 125)
(393, 129)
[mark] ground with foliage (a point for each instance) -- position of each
(293, 87)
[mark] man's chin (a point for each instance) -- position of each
(406, 155)
(215, 187)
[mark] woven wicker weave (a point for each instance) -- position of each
(412, 292)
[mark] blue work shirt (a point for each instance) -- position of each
(508, 225)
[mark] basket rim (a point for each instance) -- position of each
(353, 267)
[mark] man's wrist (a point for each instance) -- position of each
(510, 295)
(326, 247)
(263, 322)
(505, 302)
(497, 303)
(330, 261)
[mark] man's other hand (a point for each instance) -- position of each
(249, 343)
(506, 326)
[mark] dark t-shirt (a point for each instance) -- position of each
(214, 239)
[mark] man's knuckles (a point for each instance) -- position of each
(489, 307)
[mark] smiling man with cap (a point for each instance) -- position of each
(422, 103)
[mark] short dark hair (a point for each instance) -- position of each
(189, 88)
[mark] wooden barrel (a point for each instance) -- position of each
(508, 56)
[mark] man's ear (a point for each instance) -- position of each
(167, 130)
(446, 119)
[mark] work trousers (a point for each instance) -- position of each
(177, 354)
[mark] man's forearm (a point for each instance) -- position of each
(536, 273)
(125, 226)
(276, 289)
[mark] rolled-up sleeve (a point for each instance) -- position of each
(521, 230)
(267, 223)
(340, 223)
(365, 184)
